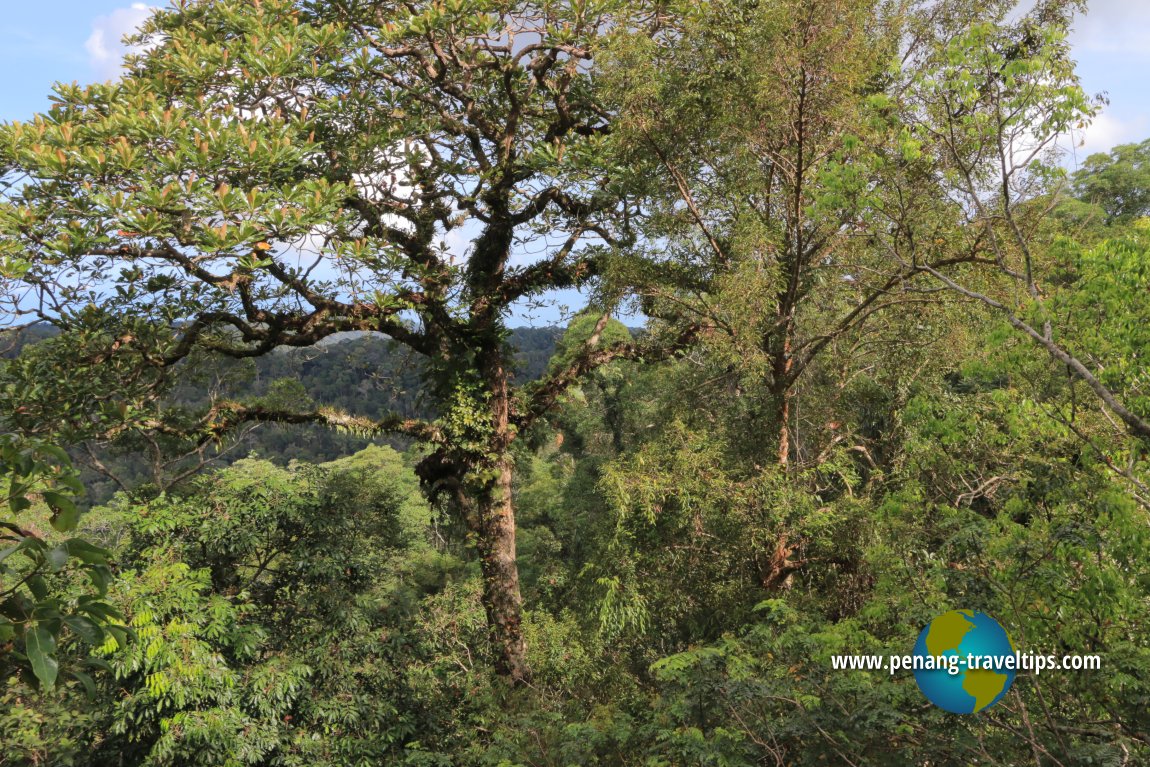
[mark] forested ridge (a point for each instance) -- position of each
(361, 374)
(285, 486)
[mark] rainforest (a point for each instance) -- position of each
(508, 383)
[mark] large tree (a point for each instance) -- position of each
(268, 174)
(827, 175)
(814, 164)
(768, 129)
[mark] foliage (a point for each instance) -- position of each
(885, 371)
(37, 609)
(1116, 182)
(1107, 314)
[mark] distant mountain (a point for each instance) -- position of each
(363, 373)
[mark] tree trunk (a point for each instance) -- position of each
(495, 523)
(478, 482)
(781, 392)
(783, 416)
(495, 520)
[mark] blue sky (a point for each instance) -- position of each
(48, 41)
(44, 41)
(1112, 47)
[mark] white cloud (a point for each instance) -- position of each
(105, 45)
(1105, 133)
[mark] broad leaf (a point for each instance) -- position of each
(41, 647)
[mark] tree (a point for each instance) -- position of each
(282, 616)
(986, 105)
(1118, 182)
(768, 131)
(272, 173)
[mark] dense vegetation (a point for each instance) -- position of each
(892, 363)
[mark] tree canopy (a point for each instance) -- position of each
(886, 359)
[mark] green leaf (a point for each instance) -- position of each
(89, 684)
(57, 558)
(40, 646)
(38, 586)
(65, 515)
(120, 634)
(99, 664)
(85, 629)
(86, 552)
(101, 576)
(56, 452)
(5, 553)
(99, 610)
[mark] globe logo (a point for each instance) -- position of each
(964, 661)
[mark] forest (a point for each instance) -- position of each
(533, 383)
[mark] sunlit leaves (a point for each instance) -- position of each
(1104, 303)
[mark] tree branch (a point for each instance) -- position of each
(1135, 424)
